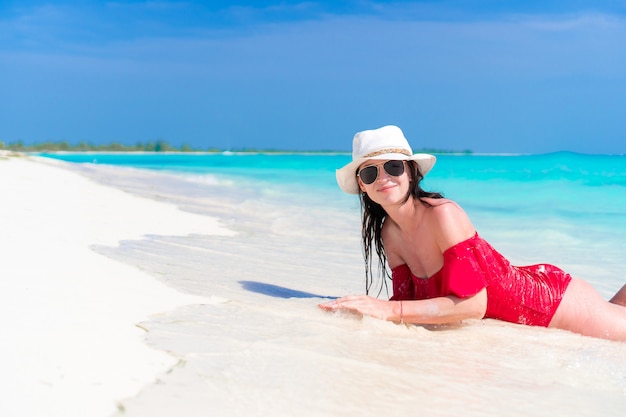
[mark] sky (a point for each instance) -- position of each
(500, 76)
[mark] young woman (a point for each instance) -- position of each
(442, 270)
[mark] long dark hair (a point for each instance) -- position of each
(373, 217)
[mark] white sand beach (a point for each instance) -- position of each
(71, 344)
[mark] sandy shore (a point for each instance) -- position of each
(72, 346)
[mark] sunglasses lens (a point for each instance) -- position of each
(394, 168)
(368, 174)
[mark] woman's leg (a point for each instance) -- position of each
(620, 297)
(584, 311)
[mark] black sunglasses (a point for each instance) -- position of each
(369, 174)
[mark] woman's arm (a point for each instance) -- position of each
(438, 310)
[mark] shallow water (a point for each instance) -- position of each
(260, 345)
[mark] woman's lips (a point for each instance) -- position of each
(386, 187)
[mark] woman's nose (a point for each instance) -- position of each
(382, 174)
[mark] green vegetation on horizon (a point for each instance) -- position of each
(156, 146)
(64, 146)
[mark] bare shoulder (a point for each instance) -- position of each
(450, 223)
(390, 235)
(390, 231)
(446, 208)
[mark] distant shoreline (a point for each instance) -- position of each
(164, 147)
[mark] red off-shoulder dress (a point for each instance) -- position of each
(518, 294)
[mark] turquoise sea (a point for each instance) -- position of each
(261, 343)
(574, 202)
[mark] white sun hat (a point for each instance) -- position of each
(385, 143)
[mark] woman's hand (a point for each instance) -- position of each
(364, 304)
(438, 310)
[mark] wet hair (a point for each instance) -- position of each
(373, 218)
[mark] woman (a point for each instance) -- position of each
(442, 270)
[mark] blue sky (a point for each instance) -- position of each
(490, 76)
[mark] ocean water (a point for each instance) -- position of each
(260, 345)
(563, 208)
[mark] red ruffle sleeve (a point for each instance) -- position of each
(463, 274)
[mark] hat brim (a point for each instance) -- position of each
(346, 176)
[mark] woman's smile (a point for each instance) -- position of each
(386, 187)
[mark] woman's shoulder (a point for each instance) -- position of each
(450, 222)
(389, 229)
(444, 206)
(392, 241)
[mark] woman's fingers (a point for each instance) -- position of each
(341, 303)
(356, 303)
(330, 306)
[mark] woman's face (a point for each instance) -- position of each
(384, 181)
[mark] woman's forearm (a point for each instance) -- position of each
(441, 310)
(434, 311)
